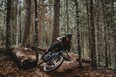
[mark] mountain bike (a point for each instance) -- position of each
(55, 58)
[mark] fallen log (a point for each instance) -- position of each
(24, 57)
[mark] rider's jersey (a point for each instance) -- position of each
(65, 45)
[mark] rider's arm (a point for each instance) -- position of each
(68, 48)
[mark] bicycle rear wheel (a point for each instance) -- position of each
(57, 61)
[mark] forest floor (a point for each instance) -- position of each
(68, 69)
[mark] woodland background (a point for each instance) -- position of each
(39, 22)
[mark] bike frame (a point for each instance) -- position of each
(56, 54)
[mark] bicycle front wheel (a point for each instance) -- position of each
(56, 62)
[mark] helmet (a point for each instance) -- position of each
(69, 35)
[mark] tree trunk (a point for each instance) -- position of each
(36, 24)
(36, 27)
(78, 36)
(13, 21)
(41, 16)
(8, 34)
(105, 21)
(55, 32)
(92, 31)
(17, 26)
(88, 23)
(115, 60)
(27, 23)
(98, 31)
(20, 36)
(67, 16)
(106, 52)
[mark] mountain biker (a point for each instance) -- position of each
(62, 43)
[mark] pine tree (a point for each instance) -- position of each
(56, 23)
(8, 34)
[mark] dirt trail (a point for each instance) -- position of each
(67, 69)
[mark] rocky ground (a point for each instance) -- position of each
(68, 69)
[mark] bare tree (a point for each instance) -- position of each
(67, 15)
(36, 24)
(20, 21)
(55, 32)
(8, 34)
(27, 23)
(78, 35)
(92, 34)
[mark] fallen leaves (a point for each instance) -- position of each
(68, 69)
